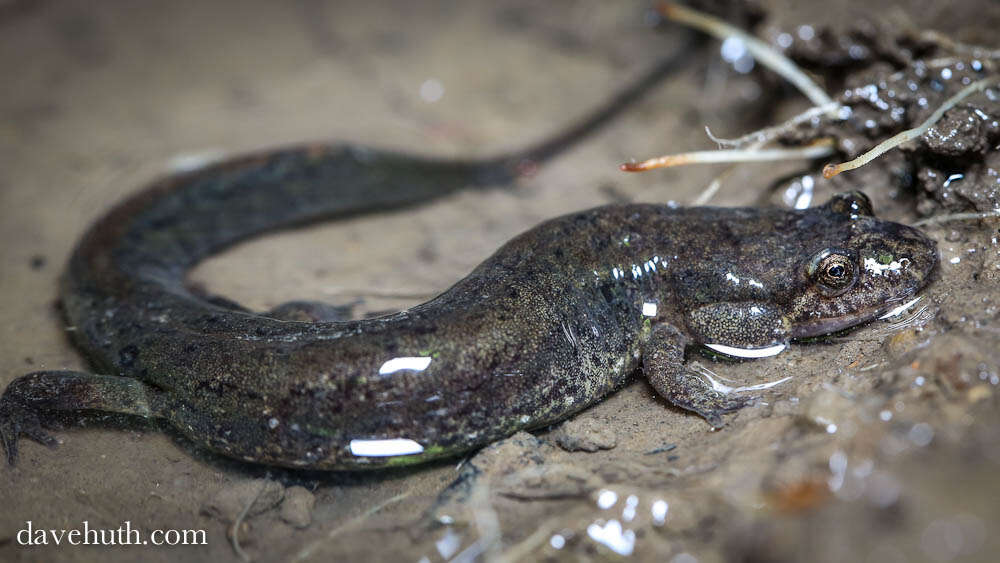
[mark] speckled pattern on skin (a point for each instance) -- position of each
(556, 319)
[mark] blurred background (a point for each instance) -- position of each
(99, 98)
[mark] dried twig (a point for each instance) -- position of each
(821, 148)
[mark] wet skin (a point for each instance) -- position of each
(556, 319)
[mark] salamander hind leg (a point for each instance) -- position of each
(28, 400)
(663, 365)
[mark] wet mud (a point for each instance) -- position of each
(883, 445)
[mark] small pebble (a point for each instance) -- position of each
(585, 434)
(979, 393)
(296, 509)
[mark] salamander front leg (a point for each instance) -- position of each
(24, 403)
(663, 365)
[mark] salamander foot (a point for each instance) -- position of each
(17, 418)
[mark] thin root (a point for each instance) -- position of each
(768, 134)
(716, 184)
(831, 170)
(761, 51)
(958, 47)
(307, 552)
(957, 217)
(823, 147)
(234, 532)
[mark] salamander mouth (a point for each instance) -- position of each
(819, 327)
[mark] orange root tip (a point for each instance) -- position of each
(667, 9)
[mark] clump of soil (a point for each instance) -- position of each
(892, 80)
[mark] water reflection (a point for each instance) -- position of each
(606, 499)
(765, 352)
(659, 511)
(412, 363)
(612, 535)
(385, 448)
(720, 387)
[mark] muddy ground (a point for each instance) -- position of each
(883, 447)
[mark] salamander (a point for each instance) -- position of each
(556, 319)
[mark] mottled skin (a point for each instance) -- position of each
(556, 319)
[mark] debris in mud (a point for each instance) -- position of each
(953, 166)
(517, 468)
(799, 496)
(551, 481)
(827, 409)
(936, 100)
(230, 501)
(586, 434)
(297, 507)
(661, 449)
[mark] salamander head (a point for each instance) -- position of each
(857, 267)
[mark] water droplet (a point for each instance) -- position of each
(659, 512)
(921, 434)
(448, 544)
(883, 489)
(613, 536)
(732, 49)
(431, 90)
(606, 499)
(557, 541)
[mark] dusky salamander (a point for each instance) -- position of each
(556, 319)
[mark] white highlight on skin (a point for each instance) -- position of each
(414, 363)
(748, 352)
(649, 309)
(385, 448)
(738, 280)
(899, 310)
(877, 269)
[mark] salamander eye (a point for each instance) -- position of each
(854, 204)
(834, 270)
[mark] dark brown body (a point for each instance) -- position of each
(555, 320)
